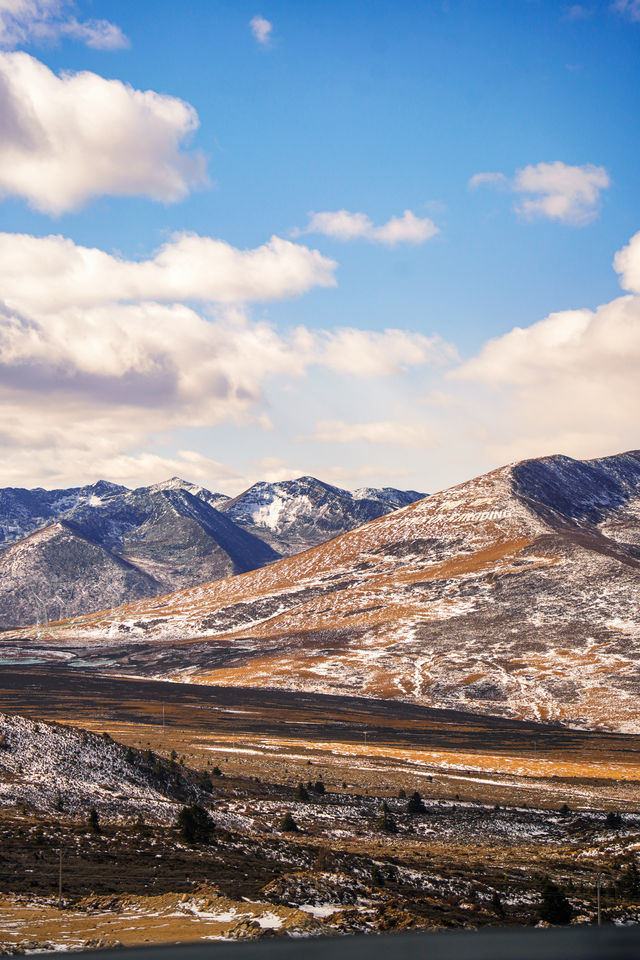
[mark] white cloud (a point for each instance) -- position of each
(629, 8)
(568, 383)
(627, 263)
(483, 179)
(25, 21)
(99, 359)
(368, 353)
(554, 191)
(50, 273)
(72, 137)
(387, 432)
(342, 225)
(261, 29)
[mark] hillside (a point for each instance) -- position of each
(515, 594)
(53, 768)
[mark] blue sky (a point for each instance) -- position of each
(369, 108)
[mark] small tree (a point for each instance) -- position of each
(319, 787)
(613, 821)
(94, 821)
(415, 804)
(301, 792)
(288, 824)
(195, 824)
(385, 822)
(496, 903)
(129, 755)
(630, 881)
(565, 810)
(555, 908)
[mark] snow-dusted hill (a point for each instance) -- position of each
(516, 593)
(56, 768)
(294, 515)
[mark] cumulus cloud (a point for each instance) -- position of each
(99, 359)
(25, 21)
(629, 8)
(568, 383)
(342, 225)
(388, 432)
(72, 137)
(554, 191)
(627, 263)
(50, 273)
(261, 29)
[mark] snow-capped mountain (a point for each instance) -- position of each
(294, 515)
(23, 511)
(514, 594)
(74, 551)
(118, 547)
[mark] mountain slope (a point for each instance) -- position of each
(505, 595)
(121, 547)
(294, 515)
(56, 572)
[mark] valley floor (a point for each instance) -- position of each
(508, 804)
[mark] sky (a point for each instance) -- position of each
(381, 243)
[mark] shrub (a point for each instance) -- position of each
(385, 822)
(319, 787)
(288, 824)
(129, 756)
(302, 792)
(415, 804)
(217, 772)
(613, 821)
(565, 810)
(555, 908)
(402, 794)
(93, 820)
(195, 824)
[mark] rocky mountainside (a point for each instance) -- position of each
(513, 594)
(294, 515)
(75, 551)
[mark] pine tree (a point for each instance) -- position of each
(555, 908)
(195, 824)
(415, 804)
(288, 824)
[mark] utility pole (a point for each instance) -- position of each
(365, 739)
(163, 719)
(60, 882)
(598, 885)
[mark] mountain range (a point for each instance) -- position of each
(66, 552)
(514, 594)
